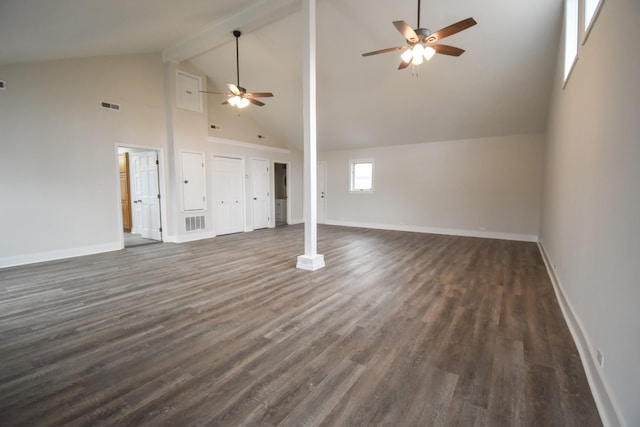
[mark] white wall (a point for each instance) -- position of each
(591, 208)
(487, 187)
(58, 163)
(187, 131)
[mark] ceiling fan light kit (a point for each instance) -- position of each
(239, 102)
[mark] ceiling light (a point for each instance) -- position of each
(407, 55)
(428, 52)
(243, 102)
(418, 50)
(417, 53)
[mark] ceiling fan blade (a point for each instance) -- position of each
(447, 50)
(390, 49)
(258, 95)
(403, 65)
(234, 89)
(452, 29)
(256, 102)
(406, 31)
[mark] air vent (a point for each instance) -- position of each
(110, 106)
(193, 223)
(3, 85)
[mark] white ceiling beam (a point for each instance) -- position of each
(217, 33)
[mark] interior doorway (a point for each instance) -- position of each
(281, 191)
(139, 196)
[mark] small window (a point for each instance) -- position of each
(570, 36)
(361, 175)
(591, 9)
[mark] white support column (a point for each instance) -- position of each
(311, 260)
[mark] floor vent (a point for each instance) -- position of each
(193, 223)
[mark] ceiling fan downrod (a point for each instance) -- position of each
(237, 34)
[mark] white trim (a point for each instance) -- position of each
(310, 262)
(594, 17)
(352, 164)
(571, 32)
(191, 237)
(607, 407)
(244, 189)
(17, 260)
(204, 181)
(288, 180)
(161, 188)
(248, 145)
(437, 230)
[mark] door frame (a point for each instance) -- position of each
(272, 189)
(162, 188)
(244, 189)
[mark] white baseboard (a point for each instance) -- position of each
(436, 230)
(16, 260)
(190, 237)
(607, 407)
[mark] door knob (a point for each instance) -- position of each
(255, 198)
(186, 181)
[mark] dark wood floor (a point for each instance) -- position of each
(400, 329)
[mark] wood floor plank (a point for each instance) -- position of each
(398, 329)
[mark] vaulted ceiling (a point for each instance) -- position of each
(499, 86)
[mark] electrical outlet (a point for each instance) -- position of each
(600, 358)
(214, 126)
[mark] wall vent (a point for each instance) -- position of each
(110, 106)
(3, 85)
(193, 223)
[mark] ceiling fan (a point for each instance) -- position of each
(238, 96)
(421, 41)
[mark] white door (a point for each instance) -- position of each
(322, 182)
(228, 198)
(193, 187)
(260, 193)
(146, 202)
